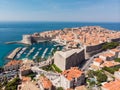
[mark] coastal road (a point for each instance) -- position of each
(90, 60)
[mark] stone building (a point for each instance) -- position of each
(117, 74)
(107, 56)
(116, 52)
(26, 67)
(71, 58)
(27, 39)
(45, 84)
(72, 78)
(13, 65)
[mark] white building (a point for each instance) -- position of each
(26, 67)
(117, 74)
(66, 59)
(45, 84)
(97, 61)
(107, 56)
(116, 52)
(72, 78)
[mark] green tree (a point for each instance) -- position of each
(60, 88)
(91, 74)
(101, 77)
(99, 74)
(12, 85)
(117, 59)
(110, 45)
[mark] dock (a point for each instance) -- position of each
(51, 50)
(35, 55)
(43, 55)
(13, 42)
(39, 49)
(30, 51)
(13, 54)
(21, 52)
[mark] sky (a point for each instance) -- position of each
(60, 10)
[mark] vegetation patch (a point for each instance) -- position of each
(53, 68)
(56, 68)
(110, 45)
(99, 75)
(12, 85)
(117, 59)
(31, 75)
(60, 88)
(111, 69)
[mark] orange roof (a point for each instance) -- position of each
(74, 72)
(99, 60)
(25, 67)
(115, 50)
(113, 85)
(108, 54)
(94, 67)
(13, 62)
(81, 88)
(110, 63)
(25, 79)
(46, 83)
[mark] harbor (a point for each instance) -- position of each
(43, 50)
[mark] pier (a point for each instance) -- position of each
(14, 53)
(43, 55)
(13, 42)
(51, 50)
(39, 49)
(21, 52)
(37, 53)
(30, 51)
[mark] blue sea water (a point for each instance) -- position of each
(12, 31)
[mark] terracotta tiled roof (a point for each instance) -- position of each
(110, 63)
(74, 72)
(46, 83)
(107, 54)
(99, 60)
(113, 85)
(13, 62)
(26, 79)
(115, 50)
(81, 88)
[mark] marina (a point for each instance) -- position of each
(42, 50)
